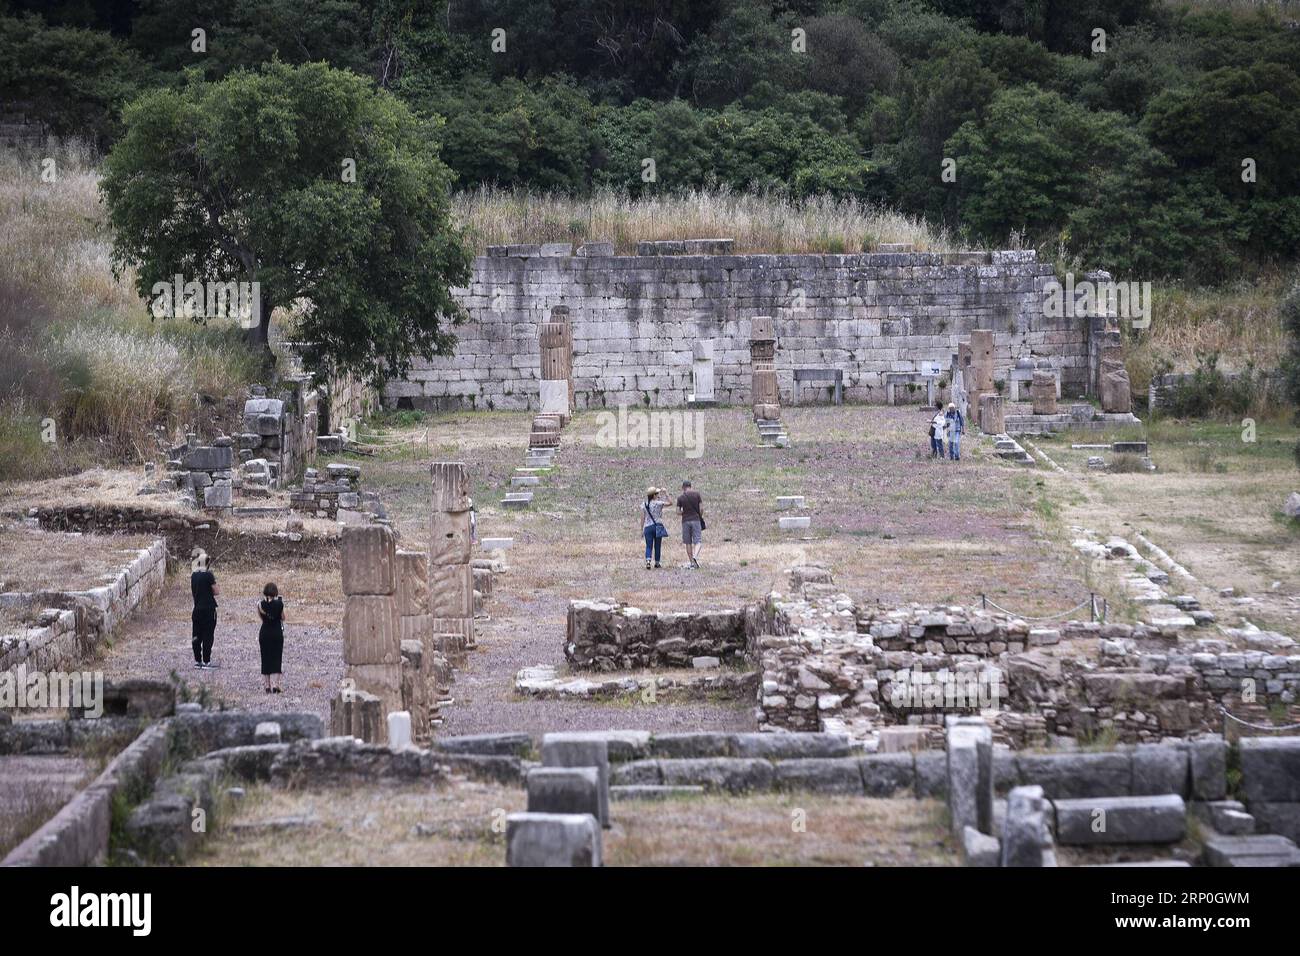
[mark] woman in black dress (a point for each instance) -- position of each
(271, 637)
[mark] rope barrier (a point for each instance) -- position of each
(1047, 617)
(1245, 723)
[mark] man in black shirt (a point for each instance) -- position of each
(691, 508)
(203, 587)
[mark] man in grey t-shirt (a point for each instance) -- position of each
(691, 508)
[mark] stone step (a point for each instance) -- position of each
(794, 523)
(1110, 820)
(786, 502)
(517, 500)
(493, 544)
(524, 481)
(1262, 850)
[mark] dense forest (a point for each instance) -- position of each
(1155, 140)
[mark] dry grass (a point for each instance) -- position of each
(46, 560)
(33, 789)
(758, 222)
(462, 824)
(1241, 323)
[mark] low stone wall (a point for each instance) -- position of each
(78, 834)
(71, 624)
(607, 636)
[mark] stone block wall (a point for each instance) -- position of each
(69, 625)
(606, 636)
(636, 321)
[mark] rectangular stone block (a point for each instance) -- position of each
(552, 839)
(451, 591)
(970, 777)
(1109, 820)
(449, 538)
(570, 750)
(1270, 769)
(383, 681)
(412, 583)
(369, 560)
(372, 631)
(564, 790)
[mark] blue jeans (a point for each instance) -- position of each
(652, 542)
(936, 447)
(954, 447)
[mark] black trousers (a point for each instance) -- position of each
(205, 629)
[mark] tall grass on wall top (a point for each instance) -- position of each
(758, 222)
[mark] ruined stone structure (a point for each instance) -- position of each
(555, 389)
(635, 322)
(372, 643)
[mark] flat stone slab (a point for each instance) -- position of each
(521, 481)
(497, 544)
(1108, 820)
(1265, 850)
(521, 500)
(794, 523)
(786, 502)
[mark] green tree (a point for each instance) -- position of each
(246, 179)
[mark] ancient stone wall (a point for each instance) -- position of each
(636, 321)
(605, 636)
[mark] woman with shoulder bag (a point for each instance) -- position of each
(652, 524)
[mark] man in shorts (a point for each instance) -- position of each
(691, 508)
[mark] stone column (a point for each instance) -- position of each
(451, 577)
(980, 381)
(765, 393)
(556, 386)
(702, 373)
(1042, 391)
(416, 627)
(372, 642)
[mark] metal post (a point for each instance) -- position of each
(984, 600)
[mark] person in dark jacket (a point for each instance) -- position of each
(203, 620)
(270, 639)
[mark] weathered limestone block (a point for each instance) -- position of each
(412, 583)
(970, 777)
(1107, 820)
(383, 681)
(564, 790)
(356, 713)
(1113, 381)
(1026, 839)
(449, 538)
(992, 418)
(451, 591)
(417, 685)
(765, 388)
(449, 482)
(371, 629)
(369, 560)
(552, 839)
(580, 750)
(1270, 769)
(1042, 391)
(981, 361)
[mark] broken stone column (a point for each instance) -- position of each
(552, 839)
(979, 382)
(1115, 391)
(1042, 392)
(372, 643)
(992, 417)
(765, 392)
(545, 432)
(556, 385)
(702, 373)
(451, 576)
(354, 713)
(419, 690)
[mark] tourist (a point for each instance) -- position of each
(270, 639)
(203, 588)
(938, 425)
(956, 425)
(691, 509)
(652, 524)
